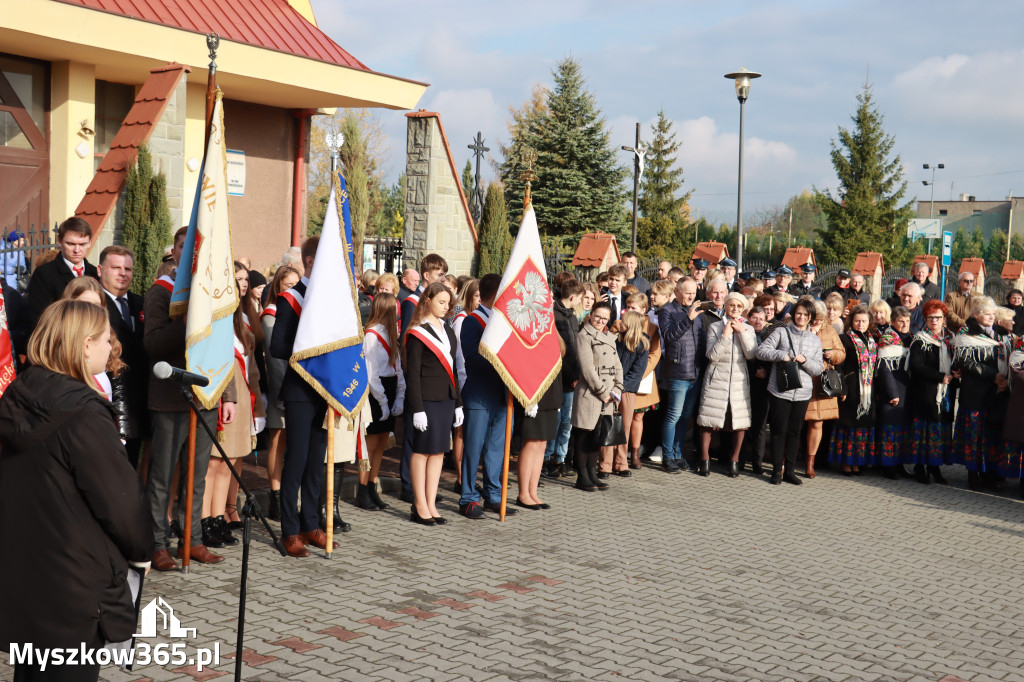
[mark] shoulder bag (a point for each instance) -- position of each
(832, 384)
(787, 372)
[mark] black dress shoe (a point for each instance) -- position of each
(757, 468)
(790, 477)
(734, 469)
(496, 508)
(603, 475)
(416, 518)
(520, 503)
(440, 520)
(936, 475)
(776, 478)
(406, 497)
(704, 468)
(921, 474)
(457, 487)
(625, 473)
(544, 505)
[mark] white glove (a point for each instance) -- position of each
(531, 411)
(384, 411)
(399, 407)
(459, 417)
(419, 421)
(259, 423)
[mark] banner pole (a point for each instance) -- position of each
(329, 510)
(508, 448)
(190, 477)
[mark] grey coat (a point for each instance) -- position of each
(600, 375)
(777, 347)
(726, 382)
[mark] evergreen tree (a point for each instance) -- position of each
(1017, 247)
(468, 180)
(961, 247)
(865, 213)
(354, 161)
(581, 186)
(146, 222)
(495, 239)
(977, 248)
(664, 210)
(995, 251)
(525, 124)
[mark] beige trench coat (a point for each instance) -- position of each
(600, 375)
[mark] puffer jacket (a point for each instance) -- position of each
(726, 382)
(683, 342)
(600, 376)
(777, 347)
(823, 409)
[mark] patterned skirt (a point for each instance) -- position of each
(1011, 460)
(894, 445)
(933, 443)
(852, 445)
(973, 445)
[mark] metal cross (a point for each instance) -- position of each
(640, 154)
(476, 202)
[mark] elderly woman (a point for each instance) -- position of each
(598, 391)
(725, 399)
(835, 306)
(892, 387)
(821, 409)
(881, 313)
(792, 342)
(853, 441)
(932, 394)
(981, 362)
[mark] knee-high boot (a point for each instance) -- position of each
(340, 526)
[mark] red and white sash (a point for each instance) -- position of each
(439, 351)
(166, 282)
(292, 298)
(383, 343)
(269, 310)
(414, 297)
(481, 317)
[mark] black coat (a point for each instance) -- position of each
(48, 283)
(890, 384)
(130, 388)
(72, 515)
(925, 378)
(568, 327)
(978, 368)
(851, 377)
(426, 379)
(293, 387)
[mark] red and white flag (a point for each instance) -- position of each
(6, 349)
(520, 339)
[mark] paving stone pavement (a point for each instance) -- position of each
(660, 578)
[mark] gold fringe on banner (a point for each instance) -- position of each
(524, 400)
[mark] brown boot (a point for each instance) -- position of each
(634, 460)
(810, 466)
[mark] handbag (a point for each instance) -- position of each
(832, 384)
(646, 385)
(609, 430)
(787, 372)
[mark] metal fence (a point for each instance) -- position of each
(387, 254)
(17, 257)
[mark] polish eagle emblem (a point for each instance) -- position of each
(529, 313)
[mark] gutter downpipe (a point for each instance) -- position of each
(299, 184)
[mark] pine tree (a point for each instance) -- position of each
(495, 239)
(662, 228)
(581, 186)
(865, 213)
(468, 180)
(146, 222)
(977, 247)
(995, 250)
(961, 246)
(1017, 247)
(525, 124)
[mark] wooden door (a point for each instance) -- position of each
(24, 144)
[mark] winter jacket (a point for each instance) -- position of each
(726, 382)
(978, 368)
(633, 363)
(892, 380)
(653, 362)
(777, 347)
(925, 378)
(72, 515)
(851, 371)
(823, 409)
(601, 375)
(684, 342)
(568, 327)
(959, 306)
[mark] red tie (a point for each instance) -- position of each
(78, 271)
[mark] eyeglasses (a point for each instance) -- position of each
(598, 319)
(967, 281)
(935, 317)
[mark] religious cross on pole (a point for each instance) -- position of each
(476, 202)
(640, 154)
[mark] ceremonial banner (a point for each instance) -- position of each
(6, 349)
(328, 348)
(520, 339)
(204, 289)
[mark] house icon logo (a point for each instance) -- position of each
(160, 610)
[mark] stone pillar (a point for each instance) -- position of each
(437, 218)
(167, 145)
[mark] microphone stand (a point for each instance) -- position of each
(250, 509)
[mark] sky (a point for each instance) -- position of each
(944, 73)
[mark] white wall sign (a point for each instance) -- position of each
(236, 173)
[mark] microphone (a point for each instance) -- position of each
(163, 370)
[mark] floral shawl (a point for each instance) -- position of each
(867, 356)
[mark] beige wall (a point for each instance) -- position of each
(261, 220)
(72, 100)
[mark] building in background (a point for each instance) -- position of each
(969, 213)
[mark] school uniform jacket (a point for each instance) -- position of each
(426, 378)
(48, 282)
(286, 324)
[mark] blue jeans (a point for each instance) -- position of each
(483, 445)
(680, 398)
(559, 446)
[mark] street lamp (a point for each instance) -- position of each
(926, 183)
(742, 78)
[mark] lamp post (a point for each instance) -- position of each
(742, 78)
(931, 183)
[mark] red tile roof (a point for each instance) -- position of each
(712, 252)
(105, 188)
(594, 248)
(797, 256)
(975, 266)
(270, 24)
(868, 263)
(930, 260)
(1013, 269)
(422, 113)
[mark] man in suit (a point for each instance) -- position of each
(305, 437)
(483, 398)
(74, 238)
(728, 266)
(164, 340)
(806, 285)
(616, 297)
(125, 309)
(783, 276)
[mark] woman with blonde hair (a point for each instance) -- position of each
(821, 409)
(835, 306)
(881, 317)
(647, 397)
(89, 290)
(632, 347)
(591, 294)
(67, 491)
(387, 392)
